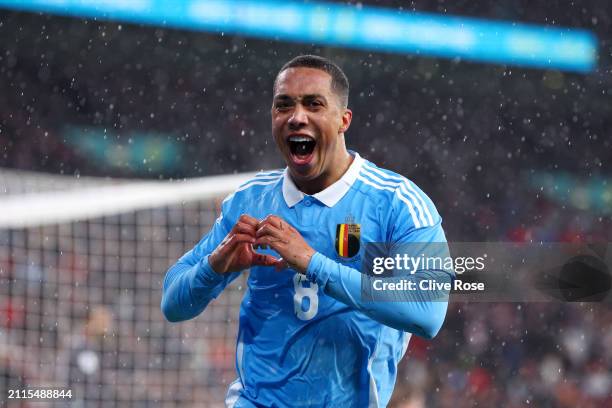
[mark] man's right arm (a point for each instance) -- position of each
(202, 273)
(191, 283)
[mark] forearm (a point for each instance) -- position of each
(188, 289)
(415, 311)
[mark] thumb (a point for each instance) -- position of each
(265, 260)
(280, 264)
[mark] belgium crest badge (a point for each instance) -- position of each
(347, 239)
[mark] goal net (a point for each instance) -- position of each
(82, 262)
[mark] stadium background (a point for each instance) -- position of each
(507, 153)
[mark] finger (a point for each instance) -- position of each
(263, 229)
(280, 265)
(244, 228)
(274, 220)
(239, 239)
(279, 223)
(265, 260)
(269, 241)
(269, 230)
(247, 219)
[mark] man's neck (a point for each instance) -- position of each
(319, 184)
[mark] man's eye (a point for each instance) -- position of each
(316, 103)
(282, 106)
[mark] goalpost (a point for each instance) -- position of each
(82, 263)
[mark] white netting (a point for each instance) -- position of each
(79, 300)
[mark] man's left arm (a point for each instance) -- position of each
(417, 311)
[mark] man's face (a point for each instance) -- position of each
(308, 122)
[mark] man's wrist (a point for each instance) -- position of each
(206, 271)
(318, 269)
(305, 261)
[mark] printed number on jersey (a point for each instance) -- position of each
(306, 299)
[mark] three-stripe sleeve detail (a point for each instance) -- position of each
(417, 206)
(262, 179)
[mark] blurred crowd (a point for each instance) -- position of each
(512, 355)
(477, 138)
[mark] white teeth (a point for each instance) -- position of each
(300, 139)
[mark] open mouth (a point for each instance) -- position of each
(301, 148)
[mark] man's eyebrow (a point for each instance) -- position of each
(308, 97)
(313, 96)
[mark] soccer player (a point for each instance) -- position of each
(307, 337)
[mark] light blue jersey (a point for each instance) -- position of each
(311, 341)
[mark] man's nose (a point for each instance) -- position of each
(298, 119)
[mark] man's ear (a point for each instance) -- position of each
(347, 116)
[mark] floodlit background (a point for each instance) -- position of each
(511, 147)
